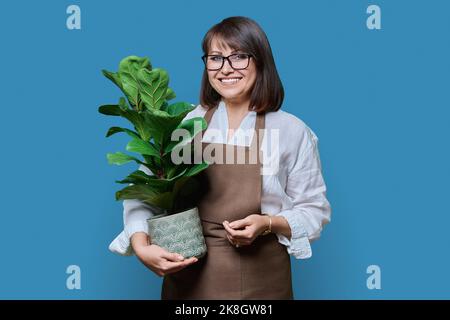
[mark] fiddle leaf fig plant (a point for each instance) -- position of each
(145, 104)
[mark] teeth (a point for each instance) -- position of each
(231, 80)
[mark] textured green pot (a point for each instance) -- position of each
(180, 233)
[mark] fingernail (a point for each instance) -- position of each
(180, 257)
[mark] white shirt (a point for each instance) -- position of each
(295, 191)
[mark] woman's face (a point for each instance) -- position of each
(224, 80)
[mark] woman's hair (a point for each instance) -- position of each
(241, 33)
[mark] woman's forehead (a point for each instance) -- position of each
(220, 44)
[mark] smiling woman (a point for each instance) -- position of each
(236, 50)
(252, 221)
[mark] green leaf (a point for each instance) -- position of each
(178, 108)
(136, 177)
(120, 158)
(131, 115)
(154, 85)
(170, 94)
(114, 77)
(110, 110)
(171, 171)
(178, 175)
(128, 69)
(114, 130)
(164, 106)
(160, 184)
(142, 147)
(161, 123)
(139, 123)
(146, 194)
(123, 104)
(194, 126)
(195, 169)
(151, 163)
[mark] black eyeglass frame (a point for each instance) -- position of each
(205, 57)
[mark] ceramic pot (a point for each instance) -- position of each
(179, 233)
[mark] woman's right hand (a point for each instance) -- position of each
(157, 259)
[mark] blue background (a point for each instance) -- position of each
(377, 99)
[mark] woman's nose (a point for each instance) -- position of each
(226, 68)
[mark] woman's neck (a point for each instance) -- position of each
(236, 112)
(237, 107)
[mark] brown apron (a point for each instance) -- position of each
(261, 270)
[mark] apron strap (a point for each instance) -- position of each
(209, 113)
(259, 130)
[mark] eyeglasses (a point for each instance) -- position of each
(238, 61)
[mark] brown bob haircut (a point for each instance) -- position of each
(242, 33)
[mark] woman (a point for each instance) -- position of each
(252, 221)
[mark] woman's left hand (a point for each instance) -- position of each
(244, 231)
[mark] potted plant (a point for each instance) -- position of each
(170, 187)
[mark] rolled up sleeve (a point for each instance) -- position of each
(135, 215)
(310, 209)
